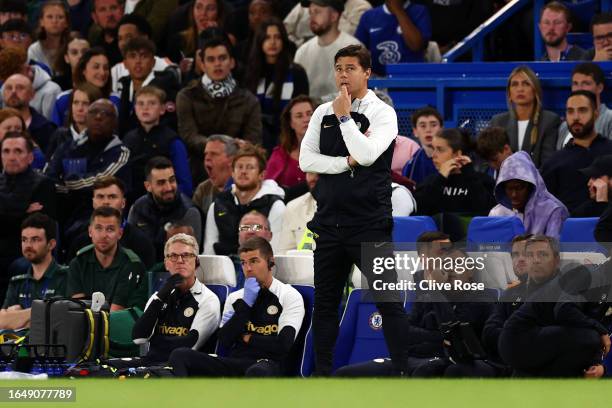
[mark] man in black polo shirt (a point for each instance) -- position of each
(562, 171)
(107, 267)
(163, 204)
(258, 327)
(184, 312)
(44, 278)
(349, 142)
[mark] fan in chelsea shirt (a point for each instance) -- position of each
(394, 33)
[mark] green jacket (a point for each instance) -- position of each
(23, 289)
(123, 282)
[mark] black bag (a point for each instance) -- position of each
(461, 343)
(71, 323)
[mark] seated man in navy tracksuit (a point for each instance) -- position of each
(259, 324)
(563, 331)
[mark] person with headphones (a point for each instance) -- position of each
(259, 325)
(184, 312)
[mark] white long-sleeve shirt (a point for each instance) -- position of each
(364, 148)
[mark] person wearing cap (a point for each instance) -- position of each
(600, 186)
(13, 9)
(395, 32)
(317, 54)
(561, 171)
(15, 33)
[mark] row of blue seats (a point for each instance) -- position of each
(492, 229)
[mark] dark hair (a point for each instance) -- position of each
(520, 238)
(93, 4)
(559, 8)
(257, 61)
(14, 6)
(41, 221)
(139, 21)
(553, 243)
(107, 181)
(359, 51)
(215, 42)
(157, 163)
(139, 44)
(93, 93)
(60, 65)
(79, 77)
(425, 111)
(591, 69)
(251, 151)
(42, 35)
(257, 244)
(288, 140)
(601, 18)
(457, 139)
(428, 237)
(20, 135)
(105, 212)
(190, 35)
(16, 24)
(588, 94)
(491, 141)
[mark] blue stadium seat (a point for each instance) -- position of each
(578, 230)
(156, 280)
(301, 349)
(408, 229)
(221, 291)
(360, 337)
(491, 230)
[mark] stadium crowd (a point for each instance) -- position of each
(136, 135)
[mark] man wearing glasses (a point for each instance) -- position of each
(259, 325)
(184, 312)
(75, 166)
(601, 27)
(248, 193)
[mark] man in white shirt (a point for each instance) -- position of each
(350, 144)
(317, 54)
(133, 26)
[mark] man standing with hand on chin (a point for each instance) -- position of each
(349, 142)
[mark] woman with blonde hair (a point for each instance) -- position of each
(529, 126)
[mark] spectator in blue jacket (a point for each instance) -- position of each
(394, 33)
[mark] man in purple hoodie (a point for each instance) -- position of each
(520, 191)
